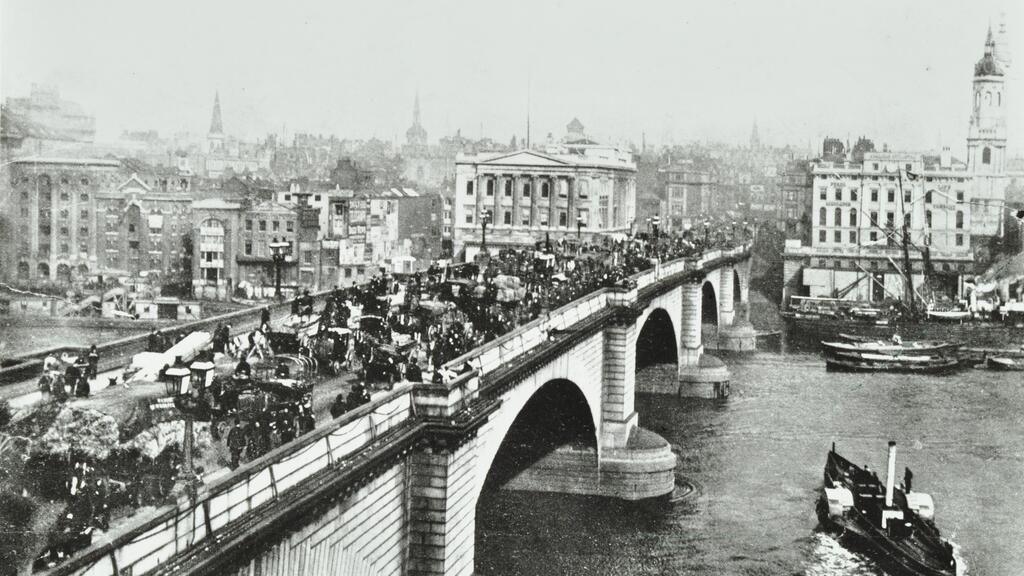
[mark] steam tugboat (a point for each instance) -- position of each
(895, 525)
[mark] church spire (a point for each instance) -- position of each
(216, 126)
(416, 110)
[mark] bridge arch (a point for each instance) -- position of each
(709, 311)
(656, 342)
(557, 411)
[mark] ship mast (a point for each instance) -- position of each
(908, 282)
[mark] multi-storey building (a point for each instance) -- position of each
(233, 244)
(796, 184)
(78, 219)
(527, 195)
(689, 191)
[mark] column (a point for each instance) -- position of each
(725, 289)
(517, 191)
(618, 384)
(534, 202)
(442, 510)
(690, 345)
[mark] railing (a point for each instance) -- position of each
(181, 528)
(116, 353)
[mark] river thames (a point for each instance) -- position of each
(757, 459)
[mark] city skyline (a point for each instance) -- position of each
(679, 77)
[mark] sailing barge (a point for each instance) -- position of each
(859, 354)
(895, 525)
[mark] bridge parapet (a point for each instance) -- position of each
(168, 538)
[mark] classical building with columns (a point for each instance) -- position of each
(529, 195)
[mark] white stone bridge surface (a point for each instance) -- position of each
(393, 487)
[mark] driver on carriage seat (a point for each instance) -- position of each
(282, 370)
(242, 369)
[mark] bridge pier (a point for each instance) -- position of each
(737, 335)
(701, 375)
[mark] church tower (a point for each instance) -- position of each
(416, 135)
(986, 135)
(215, 138)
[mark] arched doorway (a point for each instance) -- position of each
(556, 415)
(656, 343)
(63, 274)
(43, 271)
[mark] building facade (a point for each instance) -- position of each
(82, 219)
(527, 195)
(864, 206)
(689, 191)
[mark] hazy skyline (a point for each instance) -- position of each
(677, 71)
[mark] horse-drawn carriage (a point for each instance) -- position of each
(330, 348)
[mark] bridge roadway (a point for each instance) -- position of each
(391, 488)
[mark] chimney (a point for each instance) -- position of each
(890, 475)
(945, 158)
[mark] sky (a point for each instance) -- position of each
(673, 71)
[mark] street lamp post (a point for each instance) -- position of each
(485, 219)
(279, 251)
(178, 385)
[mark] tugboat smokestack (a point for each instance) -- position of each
(890, 476)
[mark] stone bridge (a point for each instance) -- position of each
(393, 487)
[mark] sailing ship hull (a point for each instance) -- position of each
(836, 364)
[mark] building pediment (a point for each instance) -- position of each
(524, 158)
(134, 184)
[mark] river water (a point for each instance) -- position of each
(757, 459)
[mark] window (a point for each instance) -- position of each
(131, 228)
(526, 190)
(507, 217)
(853, 236)
(316, 198)
(508, 187)
(928, 197)
(839, 194)
(289, 226)
(133, 244)
(906, 196)
(545, 190)
(908, 166)
(873, 236)
(959, 195)
(276, 225)
(263, 225)
(838, 236)
(64, 180)
(469, 188)
(64, 197)
(823, 193)
(248, 248)
(853, 194)
(469, 215)
(906, 219)
(959, 220)
(24, 211)
(892, 195)
(874, 194)
(853, 217)
(544, 218)
(839, 217)
(490, 187)
(248, 224)
(563, 219)
(986, 155)
(563, 191)
(64, 230)
(83, 214)
(84, 181)
(874, 166)
(874, 219)
(821, 235)
(821, 216)
(959, 239)
(927, 218)
(525, 216)
(890, 219)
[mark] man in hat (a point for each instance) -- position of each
(93, 358)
